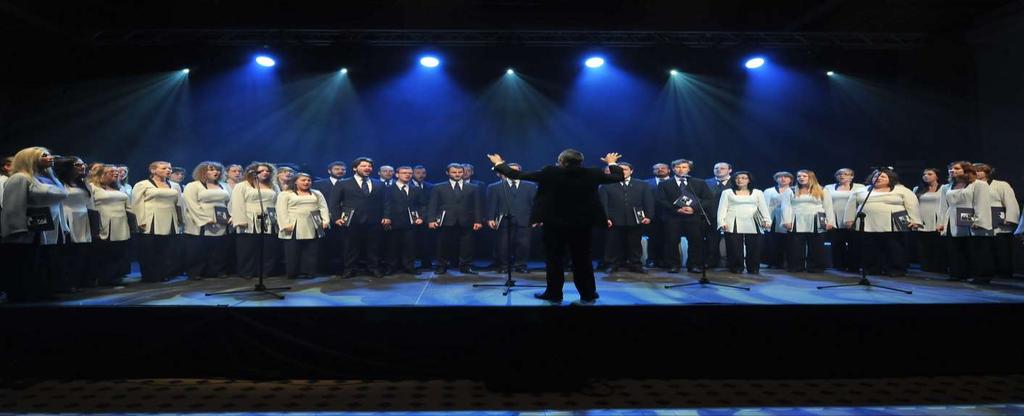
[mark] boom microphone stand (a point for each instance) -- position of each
(260, 287)
(704, 255)
(510, 255)
(863, 271)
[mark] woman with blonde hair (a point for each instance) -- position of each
(157, 204)
(206, 222)
(303, 215)
(807, 214)
(845, 243)
(33, 228)
(284, 177)
(111, 244)
(254, 218)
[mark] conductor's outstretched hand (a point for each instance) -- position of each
(495, 159)
(611, 158)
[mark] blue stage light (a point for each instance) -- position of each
(185, 71)
(510, 71)
(754, 63)
(344, 70)
(266, 61)
(430, 61)
(594, 62)
(673, 72)
(830, 73)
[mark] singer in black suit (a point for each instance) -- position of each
(681, 199)
(510, 200)
(425, 237)
(624, 203)
(460, 204)
(653, 231)
(405, 208)
(568, 206)
(719, 183)
(334, 241)
(363, 233)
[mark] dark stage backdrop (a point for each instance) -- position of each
(910, 109)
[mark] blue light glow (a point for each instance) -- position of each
(430, 61)
(594, 62)
(754, 63)
(266, 61)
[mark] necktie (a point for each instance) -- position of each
(682, 185)
(365, 186)
(515, 185)
(405, 190)
(458, 187)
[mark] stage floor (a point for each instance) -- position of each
(621, 289)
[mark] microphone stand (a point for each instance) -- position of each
(260, 287)
(704, 255)
(510, 255)
(863, 271)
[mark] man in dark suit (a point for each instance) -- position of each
(360, 206)
(425, 238)
(455, 210)
(653, 231)
(405, 205)
(568, 207)
(334, 240)
(628, 205)
(508, 211)
(386, 174)
(683, 200)
(717, 184)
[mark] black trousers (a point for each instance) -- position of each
(29, 270)
(884, 253)
(774, 251)
(694, 233)
(426, 240)
(76, 259)
(845, 249)
(159, 258)
(401, 253)
(108, 261)
(734, 244)
(970, 257)
(363, 241)
(455, 241)
(248, 254)
(805, 251)
(520, 245)
(206, 256)
(1002, 250)
(714, 245)
(655, 242)
(623, 246)
(300, 256)
(931, 251)
(576, 241)
(332, 246)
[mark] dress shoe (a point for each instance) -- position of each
(411, 271)
(590, 298)
(753, 272)
(735, 271)
(981, 281)
(522, 270)
(467, 270)
(548, 297)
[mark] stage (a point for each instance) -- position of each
(771, 287)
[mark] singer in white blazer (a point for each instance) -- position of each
(807, 214)
(1005, 211)
(114, 233)
(890, 211)
(965, 216)
(206, 222)
(774, 251)
(78, 207)
(158, 207)
(32, 197)
(303, 218)
(254, 217)
(743, 216)
(845, 244)
(931, 247)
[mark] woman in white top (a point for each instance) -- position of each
(931, 249)
(743, 216)
(1005, 211)
(206, 222)
(111, 242)
(157, 204)
(774, 252)
(33, 227)
(79, 213)
(807, 214)
(965, 215)
(284, 177)
(303, 217)
(845, 245)
(254, 218)
(890, 211)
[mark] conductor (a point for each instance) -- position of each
(567, 207)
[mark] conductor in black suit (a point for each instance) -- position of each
(508, 210)
(681, 199)
(405, 208)
(568, 207)
(629, 205)
(358, 203)
(455, 210)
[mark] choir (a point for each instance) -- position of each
(66, 225)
